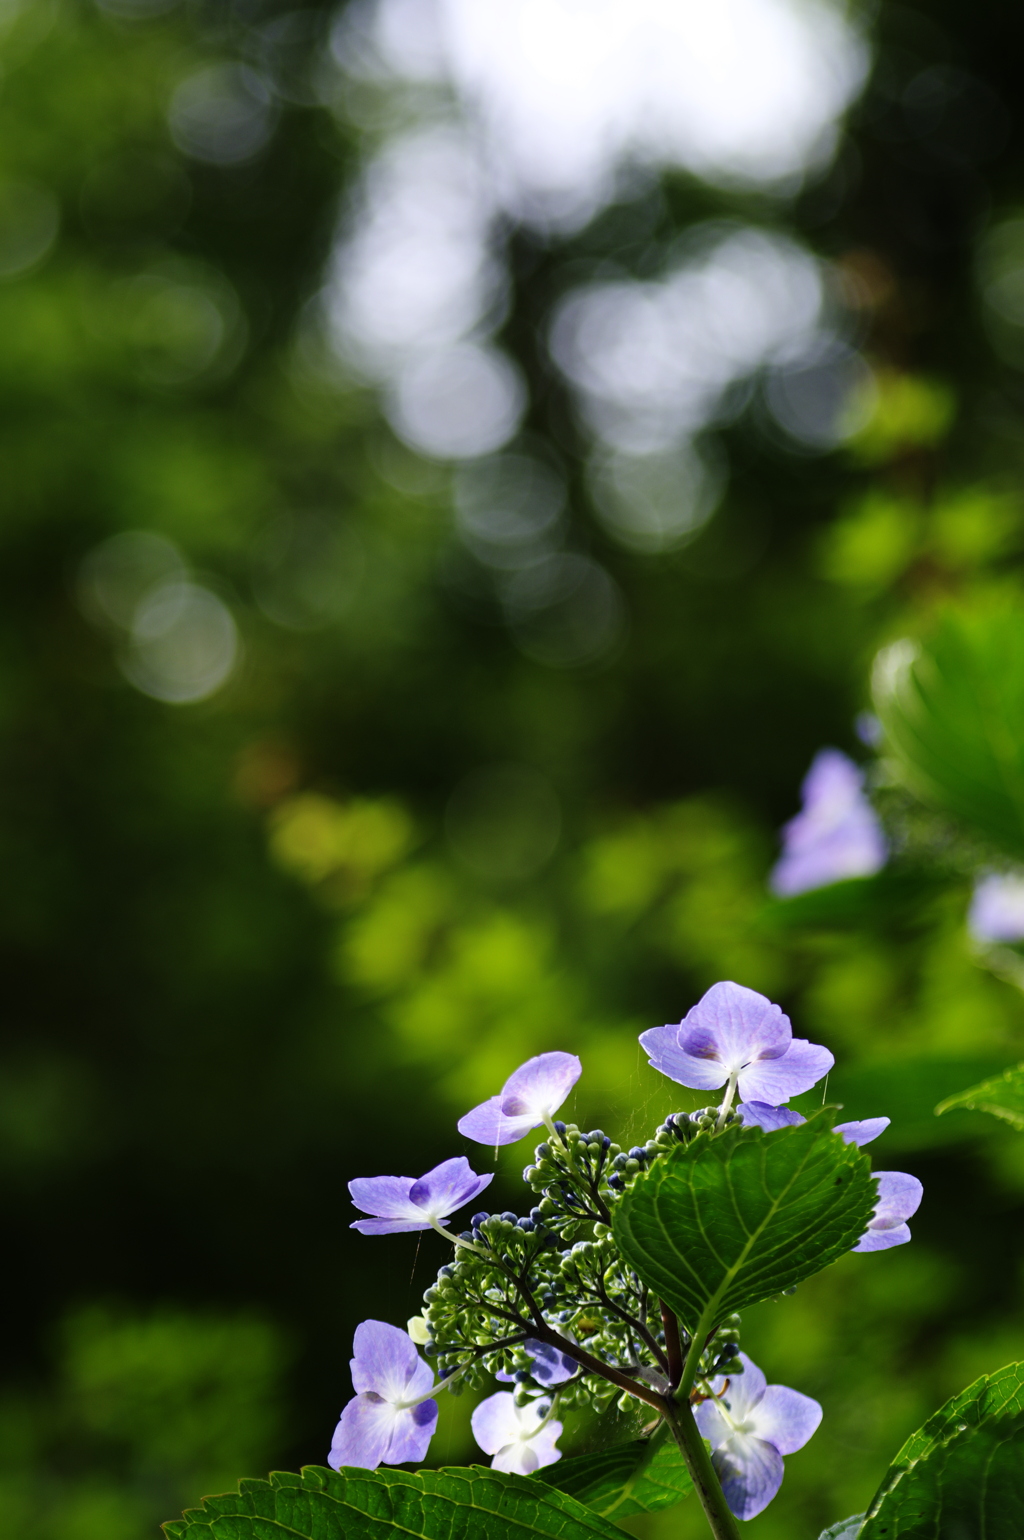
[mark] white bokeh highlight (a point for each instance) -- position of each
(542, 112)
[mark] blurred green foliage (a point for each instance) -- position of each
(259, 944)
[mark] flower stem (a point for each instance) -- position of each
(698, 1462)
(723, 1111)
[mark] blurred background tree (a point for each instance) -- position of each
(430, 560)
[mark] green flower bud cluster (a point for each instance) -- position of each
(558, 1271)
(572, 1174)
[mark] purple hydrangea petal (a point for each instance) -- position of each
(385, 1361)
(541, 1450)
(389, 1226)
(785, 1418)
(661, 1045)
(750, 1471)
(414, 1428)
(997, 908)
(735, 1025)
(776, 1080)
(899, 1196)
(835, 835)
(761, 1115)
(363, 1436)
(513, 1435)
(550, 1365)
(863, 1132)
(883, 1240)
(448, 1187)
(711, 1423)
(386, 1197)
(540, 1086)
(488, 1125)
(494, 1422)
(741, 1392)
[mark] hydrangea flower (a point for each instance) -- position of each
(835, 835)
(391, 1418)
(415, 1203)
(529, 1099)
(550, 1365)
(899, 1196)
(760, 1115)
(734, 1036)
(750, 1425)
(521, 1438)
(997, 908)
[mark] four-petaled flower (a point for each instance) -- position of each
(550, 1365)
(529, 1098)
(835, 835)
(898, 1198)
(750, 1425)
(760, 1115)
(391, 1418)
(415, 1203)
(521, 1438)
(734, 1036)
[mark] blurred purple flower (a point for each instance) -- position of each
(898, 1198)
(415, 1203)
(997, 908)
(528, 1099)
(835, 835)
(389, 1420)
(550, 1365)
(750, 1425)
(519, 1437)
(737, 1036)
(760, 1115)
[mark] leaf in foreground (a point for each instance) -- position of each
(1003, 1096)
(962, 1473)
(474, 1503)
(640, 1477)
(724, 1222)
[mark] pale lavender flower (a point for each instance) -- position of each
(529, 1098)
(760, 1115)
(898, 1198)
(835, 835)
(750, 1425)
(550, 1365)
(997, 908)
(415, 1203)
(390, 1419)
(737, 1037)
(521, 1438)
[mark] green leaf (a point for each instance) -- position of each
(1003, 1096)
(962, 1473)
(891, 897)
(733, 1218)
(953, 713)
(641, 1477)
(846, 1529)
(455, 1504)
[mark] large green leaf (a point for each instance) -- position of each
(733, 1218)
(1003, 1096)
(953, 713)
(640, 1477)
(456, 1504)
(962, 1473)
